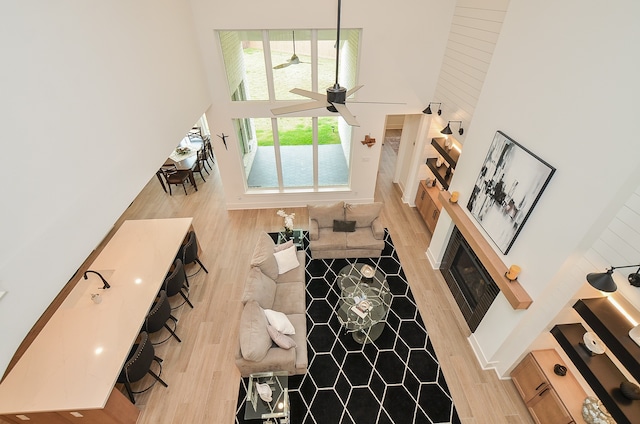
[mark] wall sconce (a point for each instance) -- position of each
(427, 111)
(368, 141)
(447, 129)
(603, 281)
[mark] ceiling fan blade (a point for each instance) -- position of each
(309, 94)
(300, 107)
(354, 89)
(282, 65)
(348, 117)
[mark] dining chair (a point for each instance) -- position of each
(175, 283)
(189, 252)
(138, 364)
(200, 164)
(174, 176)
(208, 150)
(159, 316)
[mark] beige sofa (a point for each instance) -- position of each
(345, 230)
(266, 289)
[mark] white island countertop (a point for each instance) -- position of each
(74, 362)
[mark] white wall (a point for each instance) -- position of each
(562, 82)
(397, 64)
(95, 95)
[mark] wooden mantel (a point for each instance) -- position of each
(512, 290)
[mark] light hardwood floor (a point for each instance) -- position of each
(202, 377)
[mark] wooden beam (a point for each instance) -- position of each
(512, 290)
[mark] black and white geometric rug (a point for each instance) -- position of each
(394, 380)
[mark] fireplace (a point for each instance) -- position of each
(471, 285)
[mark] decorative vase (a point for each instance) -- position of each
(288, 234)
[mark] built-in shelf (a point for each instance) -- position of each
(443, 173)
(513, 291)
(613, 329)
(599, 371)
(450, 155)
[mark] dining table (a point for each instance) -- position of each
(182, 162)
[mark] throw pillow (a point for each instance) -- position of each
(325, 214)
(279, 321)
(280, 339)
(255, 341)
(363, 214)
(283, 246)
(344, 226)
(263, 256)
(260, 288)
(287, 260)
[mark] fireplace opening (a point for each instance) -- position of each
(471, 285)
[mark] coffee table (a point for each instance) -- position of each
(276, 411)
(365, 326)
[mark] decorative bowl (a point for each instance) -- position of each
(367, 271)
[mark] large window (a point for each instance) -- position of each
(311, 152)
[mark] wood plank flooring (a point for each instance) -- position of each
(201, 373)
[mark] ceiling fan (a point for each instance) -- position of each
(294, 58)
(336, 95)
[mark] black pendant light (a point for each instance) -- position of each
(603, 281)
(427, 111)
(447, 129)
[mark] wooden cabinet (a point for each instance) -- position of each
(550, 398)
(428, 205)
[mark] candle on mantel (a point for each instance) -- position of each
(514, 271)
(454, 197)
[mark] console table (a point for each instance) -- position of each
(69, 372)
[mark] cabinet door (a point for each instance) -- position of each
(547, 408)
(422, 201)
(431, 215)
(529, 378)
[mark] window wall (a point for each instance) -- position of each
(309, 152)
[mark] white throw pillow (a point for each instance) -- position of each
(279, 321)
(287, 260)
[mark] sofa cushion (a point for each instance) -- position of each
(290, 298)
(287, 260)
(279, 321)
(255, 341)
(344, 226)
(280, 339)
(263, 256)
(363, 214)
(260, 288)
(325, 214)
(329, 240)
(363, 238)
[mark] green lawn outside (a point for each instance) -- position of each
(292, 131)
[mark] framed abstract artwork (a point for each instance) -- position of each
(507, 189)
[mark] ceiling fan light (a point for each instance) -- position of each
(446, 130)
(602, 281)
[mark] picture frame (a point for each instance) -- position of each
(508, 187)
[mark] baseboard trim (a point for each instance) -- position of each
(435, 264)
(482, 360)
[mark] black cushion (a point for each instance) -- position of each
(344, 226)
(630, 390)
